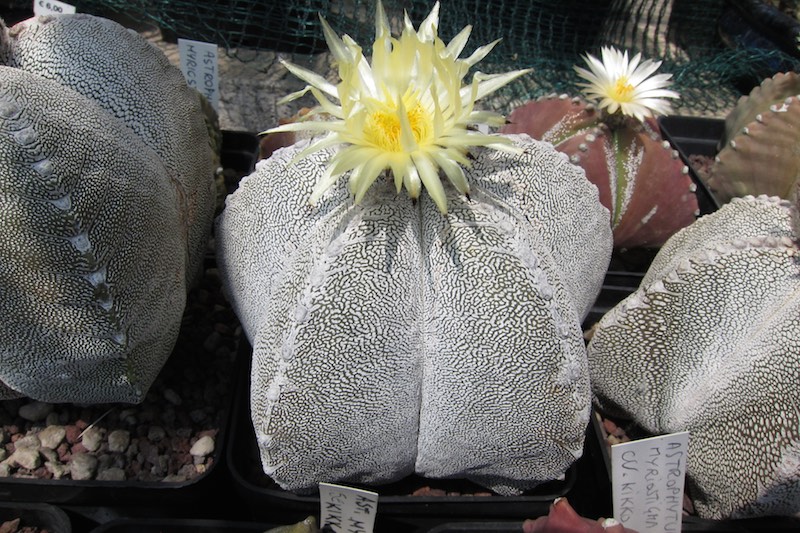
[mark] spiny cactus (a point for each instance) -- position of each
(641, 178)
(709, 344)
(107, 191)
(759, 151)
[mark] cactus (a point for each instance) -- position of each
(437, 334)
(104, 220)
(389, 338)
(617, 141)
(761, 132)
(641, 179)
(708, 344)
(134, 81)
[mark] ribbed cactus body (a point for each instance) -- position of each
(390, 339)
(92, 279)
(641, 179)
(709, 344)
(106, 183)
(759, 152)
(134, 81)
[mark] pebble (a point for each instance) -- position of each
(92, 437)
(203, 447)
(57, 469)
(83, 466)
(172, 397)
(28, 441)
(35, 411)
(118, 440)
(27, 458)
(111, 474)
(52, 436)
(156, 433)
(72, 433)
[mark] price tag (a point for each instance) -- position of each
(51, 7)
(347, 510)
(647, 479)
(199, 67)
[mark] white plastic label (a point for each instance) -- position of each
(647, 479)
(199, 66)
(51, 7)
(347, 510)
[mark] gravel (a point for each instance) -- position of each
(169, 437)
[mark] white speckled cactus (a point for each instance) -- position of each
(134, 81)
(106, 201)
(709, 344)
(389, 338)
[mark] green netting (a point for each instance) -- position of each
(708, 45)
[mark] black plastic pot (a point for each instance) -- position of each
(397, 509)
(177, 525)
(39, 515)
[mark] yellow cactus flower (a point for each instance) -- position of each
(626, 86)
(406, 111)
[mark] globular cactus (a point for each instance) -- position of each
(641, 178)
(105, 220)
(135, 82)
(615, 138)
(760, 150)
(439, 334)
(389, 338)
(709, 344)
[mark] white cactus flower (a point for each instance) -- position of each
(630, 87)
(406, 111)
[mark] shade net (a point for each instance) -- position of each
(715, 49)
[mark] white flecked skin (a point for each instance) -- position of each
(92, 271)
(135, 82)
(389, 338)
(710, 344)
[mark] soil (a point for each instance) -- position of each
(154, 441)
(173, 435)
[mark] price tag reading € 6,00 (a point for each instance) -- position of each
(51, 7)
(347, 510)
(647, 478)
(199, 67)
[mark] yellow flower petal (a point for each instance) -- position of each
(406, 110)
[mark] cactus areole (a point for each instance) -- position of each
(392, 336)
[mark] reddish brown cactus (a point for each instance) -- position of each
(641, 179)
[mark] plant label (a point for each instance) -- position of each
(647, 478)
(347, 510)
(51, 7)
(199, 64)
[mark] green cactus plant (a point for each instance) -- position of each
(708, 344)
(641, 178)
(438, 334)
(761, 132)
(104, 223)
